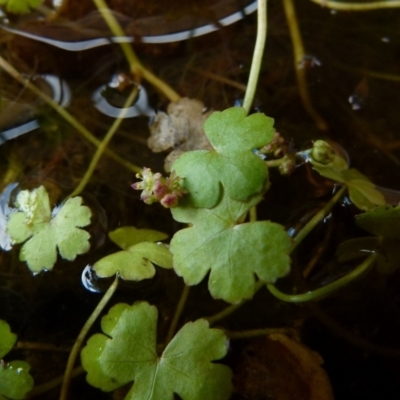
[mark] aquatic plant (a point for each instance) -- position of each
(215, 193)
(15, 379)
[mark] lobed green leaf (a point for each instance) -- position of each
(15, 380)
(135, 263)
(46, 231)
(127, 236)
(126, 352)
(233, 252)
(233, 164)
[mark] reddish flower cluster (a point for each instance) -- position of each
(156, 188)
(277, 146)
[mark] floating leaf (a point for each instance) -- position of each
(135, 263)
(21, 6)
(7, 338)
(127, 236)
(127, 352)
(233, 163)
(382, 221)
(234, 252)
(48, 230)
(15, 380)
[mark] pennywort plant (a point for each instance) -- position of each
(215, 194)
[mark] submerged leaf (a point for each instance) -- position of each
(386, 249)
(382, 221)
(233, 164)
(127, 352)
(7, 338)
(234, 252)
(135, 263)
(48, 231)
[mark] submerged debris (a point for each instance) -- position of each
(179, 130)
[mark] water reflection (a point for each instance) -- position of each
(90, 31)
(105, 94)
(5, 240)
(89, 280)
(57, 89)
(108, 99)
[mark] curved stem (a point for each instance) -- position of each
(81, 337)
(301, 235)
(64, 113)
(136, 66)
(317, 218)
(300, 70)
(103, 145)
(257, 55)
(324, 291)
(178, 312)
(361, 6)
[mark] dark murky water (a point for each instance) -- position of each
(347, 55)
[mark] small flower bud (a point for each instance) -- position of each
(156, 188)
(322, 152)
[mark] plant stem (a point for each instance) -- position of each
(253, 214)
(257, 332)
(137, 69)
(81, 337)
(320, 215)
(317, 218)
(103, 145)
(361, 6)
(178, 312)
(324, 291)
(64, 113)
(257, 55)
(300, 70)
(45, 387)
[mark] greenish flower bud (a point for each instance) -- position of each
(322, 152)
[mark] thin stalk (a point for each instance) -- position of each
(257, 55)
(81, 337)
(64, 113)
(317, 218)
(253, 214)
(45, 387)
(257, 332)
(300, 70)
(300, 236)
(372, 74)
(178, 312)
(103, 145)
(137, 69)
(275, 163)
(313, 295)
(361, 6)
